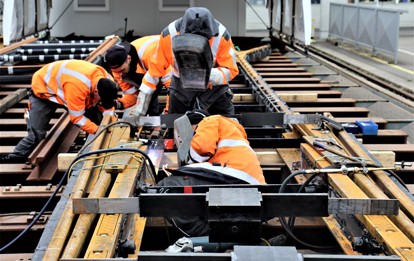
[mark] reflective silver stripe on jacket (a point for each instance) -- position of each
(227, 171)
(145, 88)
(142, 49)
(151, 79)
(216, 42)
(234, 143)
(76, 113)
(226, 74)
(47, 76)
(82, 121)
(197, 157)
(131, 90)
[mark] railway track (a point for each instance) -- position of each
(287, 82)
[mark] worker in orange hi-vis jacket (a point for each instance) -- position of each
(201, 52)
(85, 89)
(219, 154)
(129, 62)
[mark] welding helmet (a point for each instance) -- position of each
(197, 115)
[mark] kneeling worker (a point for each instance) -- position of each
(219, 154)
(129, 62)
(85, 89)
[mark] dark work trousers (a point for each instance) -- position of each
(189, 226)
(40, 113)
(217, 100)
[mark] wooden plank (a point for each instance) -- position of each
(286, 74)
(299, 86)
(290, 156)
(386, 158)
(397, 148)
(321, 101)
(21, 121)
(299, 97)
(292, 80)
(380, 121)
(380, 226)
(65, 160)
(13, 134)
(335, 111)
(287, 69)
(274, 65)
(320, 93)
(12, 99)
(384, 137)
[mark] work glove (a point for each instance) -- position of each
(143, 102)
(216, 77)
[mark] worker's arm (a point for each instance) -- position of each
(157, 68)
(76, 101)
(158, 65)
(129, 93)
(225, 68)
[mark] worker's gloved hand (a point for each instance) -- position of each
(143, 102)
(216, 77)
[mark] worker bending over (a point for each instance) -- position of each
(219, 154)
(129, 62)
(201, 52)
(85, 89)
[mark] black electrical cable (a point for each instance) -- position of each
(64, 178)
(291, 221)
(286, 226)
(392, 173)
(131, 133)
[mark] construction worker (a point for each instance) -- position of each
(129, 62)
(184, 95)
(219, 154)
(85, 89)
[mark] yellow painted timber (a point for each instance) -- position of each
(137, 233)
(60, 235)
(84, 222)
(381, 177)
(340, 237)
(291, 155)
(105, 236)
(401, 220)
(381, 227)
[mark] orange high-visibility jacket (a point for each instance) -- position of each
(70, 83)
(222, 142)
(224, 57)
(146, 47)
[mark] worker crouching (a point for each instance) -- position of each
(219, 154)
(86, 90)
(201, 72)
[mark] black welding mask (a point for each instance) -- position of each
(194, 60)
